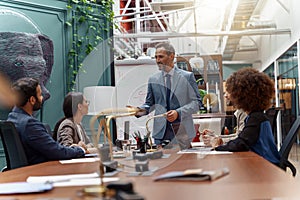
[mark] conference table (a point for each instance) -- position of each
(211, 115)
(250, 177)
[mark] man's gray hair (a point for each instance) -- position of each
(167, 46)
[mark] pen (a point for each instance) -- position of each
(139, 134)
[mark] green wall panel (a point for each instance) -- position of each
(229, 69)
(49, 17)
(49, 20)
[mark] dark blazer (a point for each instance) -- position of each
(184, 98)
(256, 136)
(38, 144)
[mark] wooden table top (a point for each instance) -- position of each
(250, 177)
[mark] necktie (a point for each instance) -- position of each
(168, 92)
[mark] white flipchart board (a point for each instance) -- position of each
(131, 87)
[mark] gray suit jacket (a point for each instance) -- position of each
(184, 98)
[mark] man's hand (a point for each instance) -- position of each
(141, 112)
(172, 115)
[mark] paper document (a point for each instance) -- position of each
(71, 180)
(198, 144)
(219, 152)
(206, 151)
(79, 160)
(23, 187)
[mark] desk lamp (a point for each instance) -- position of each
(104, 124)
(148, 130)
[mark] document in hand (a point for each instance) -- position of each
(24, 187)
(193, 175)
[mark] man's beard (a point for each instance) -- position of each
(37, 106)
(162, 67)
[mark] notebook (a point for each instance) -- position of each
(193, 175)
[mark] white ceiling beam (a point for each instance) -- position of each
(239, 62)
(206, 34)
(229, 23)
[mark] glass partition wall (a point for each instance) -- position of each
(285, 74)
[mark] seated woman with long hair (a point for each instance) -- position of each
(69, 131)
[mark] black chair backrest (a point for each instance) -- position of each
(272, 114)
(13, 147)
(287, 146)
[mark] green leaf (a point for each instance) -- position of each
(93, 27)
(81, 19)
(89, 48)
(69, 24)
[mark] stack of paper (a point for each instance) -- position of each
(71, 179)
(24, 187)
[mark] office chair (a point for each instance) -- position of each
(287, 146)
(13, 147)
(272, 114)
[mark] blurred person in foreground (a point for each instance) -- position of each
(38, 144)
(7, 96)
(252, 91)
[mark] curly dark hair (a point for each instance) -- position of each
(250, 89)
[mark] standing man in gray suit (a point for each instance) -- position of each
(172, 91)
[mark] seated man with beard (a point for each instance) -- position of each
(39, 146)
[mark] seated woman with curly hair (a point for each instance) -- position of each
(252, 91)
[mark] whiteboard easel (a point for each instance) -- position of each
(131, 84)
